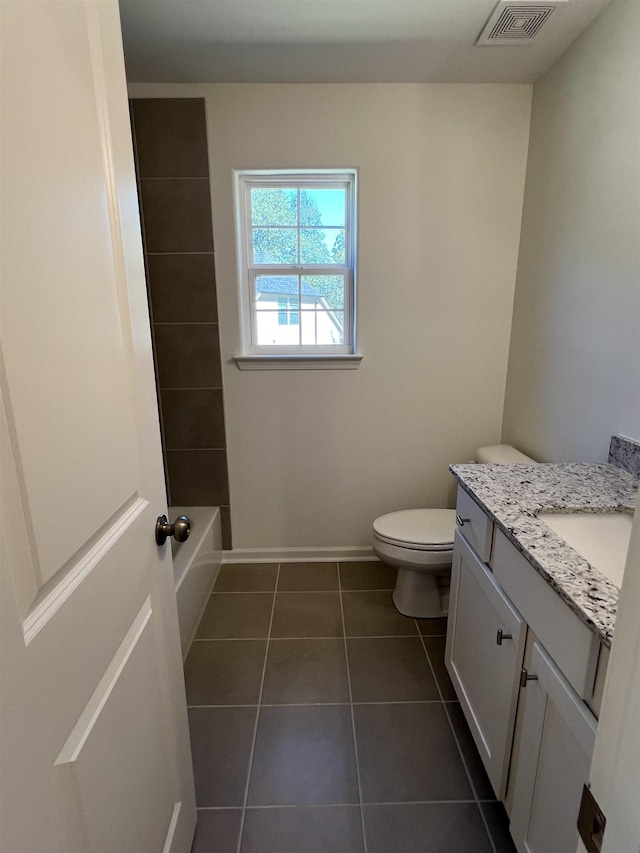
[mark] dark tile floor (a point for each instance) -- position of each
(323, 720)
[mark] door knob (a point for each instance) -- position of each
(180, 529)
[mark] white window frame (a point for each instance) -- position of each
(255, 356)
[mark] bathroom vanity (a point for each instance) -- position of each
(530, 628)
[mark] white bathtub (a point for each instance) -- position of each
(196, 564)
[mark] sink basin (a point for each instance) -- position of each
(601, 538)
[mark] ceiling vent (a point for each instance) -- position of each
(517, 21)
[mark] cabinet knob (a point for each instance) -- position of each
(502, 636)
(524, 677)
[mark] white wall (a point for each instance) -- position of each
(574, 366)
(315, 456)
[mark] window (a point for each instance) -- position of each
(297, 245)
(287, 316)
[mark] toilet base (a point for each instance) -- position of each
(421, 595)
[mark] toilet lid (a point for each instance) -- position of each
(428, 529)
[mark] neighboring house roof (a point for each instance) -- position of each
(284, 285)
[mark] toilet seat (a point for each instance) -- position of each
(417, 529)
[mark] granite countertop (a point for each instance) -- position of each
(513, 495)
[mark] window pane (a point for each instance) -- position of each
(322, 246)
(275, 246)
(274, 328)
(322, 207)
(276, 292)
(325, 290)
(322, 328)
(274, 207)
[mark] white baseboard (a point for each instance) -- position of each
(343, 554)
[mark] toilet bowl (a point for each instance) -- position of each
(419, 544)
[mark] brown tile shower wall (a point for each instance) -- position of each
(170, 140)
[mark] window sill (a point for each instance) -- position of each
(299, 362)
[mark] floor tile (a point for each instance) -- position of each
(312, 829)
(304, 755)
(471, 755)
(224, 672)
(217, 831)
(406, 753)
(307, 614)
(300, 577)
(373, 614)
(435, 648)
(393, 669)
(433, 627)
(305, 672)
(221, 740)
(367, 574)
(247, 577)
(229, 616)
(417, 827)
(498, 824)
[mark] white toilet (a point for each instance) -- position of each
(419, 543)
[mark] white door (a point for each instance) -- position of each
(94, 750)
(558, 733)
(484, 666)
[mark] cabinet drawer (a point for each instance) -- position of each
(570, 643)
(475, 525)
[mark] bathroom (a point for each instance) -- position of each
(497, 302)
(439, 221)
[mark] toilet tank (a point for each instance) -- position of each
(502, 454)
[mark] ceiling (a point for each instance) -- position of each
(335, 41)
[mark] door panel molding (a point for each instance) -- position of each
(79, 566)
(82, 729)
(108, 756)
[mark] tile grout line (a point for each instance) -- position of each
(328, 637)
(280, 591)
(255, 730)
(457, 743)
(333, 704)
(353, 719)
(340, 805)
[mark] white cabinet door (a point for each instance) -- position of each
(93, 726)
(484, 673)
(558, 736)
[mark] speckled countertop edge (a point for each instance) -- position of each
(513, 496)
